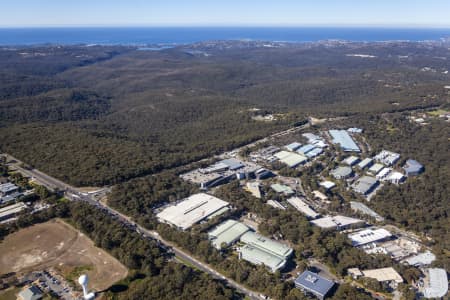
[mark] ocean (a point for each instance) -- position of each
(185, 35)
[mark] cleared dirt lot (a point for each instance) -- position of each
(57, 244)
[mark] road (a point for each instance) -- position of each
(75, 194)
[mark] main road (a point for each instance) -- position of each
(75, 194)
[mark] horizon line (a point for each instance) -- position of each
(362, 26)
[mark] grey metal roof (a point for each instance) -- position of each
(365, 184)
(412, 166)
(314, 283)
(232, 163)
(342, 172)
(306, 148)
(265, 244)
(342, 138)
(227, 232)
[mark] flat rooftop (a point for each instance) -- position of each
(383, 274)
(12, 209)
(227, 233)
(361, 207)
(437, 283)
(291, 159)
(314, 283)
(268, 245)
(368, 236)
(191, 210)
(346, 142)
(335, 222)
(257, 256)
(302, 207)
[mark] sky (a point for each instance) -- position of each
(380, 13)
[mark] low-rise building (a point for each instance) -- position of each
(369, 235)
(413, 167)
(395, 177)
(314, 284)
(337, 222)
(302, 207)
(282, 189)
(365, 163)
(328, 185)
(344, 140)
(342, 172)
(275, 204)
(192, 210)
(351, 161)
(436, 283)
(314, 152)
(387, 158)
(421, 259)
(8, 188)
(254, 188)
(375, 169)
(30, 293)
(360, 207)
(11, 211)
(365, 185)
(261, 250)
(291, 159)
(293, 146)
(383, 274)
(227, 233)
(305, 149)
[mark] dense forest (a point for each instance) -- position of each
(103, 115)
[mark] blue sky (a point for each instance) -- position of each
(396, 13)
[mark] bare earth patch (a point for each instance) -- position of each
(57, 244)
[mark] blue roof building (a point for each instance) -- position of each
(412, 167)
(294, 146)
(346, 142)
(305, 149)
(312, 283)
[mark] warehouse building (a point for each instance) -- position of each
(302, 207)
(282, 189)
(305, 149)
(257, 256)
(337, 222)
(387, 158)
(369, 235)
(275, 204)
(421, 259)
(312, 283)
(436, 283)
(383, 274)
(227, 233)
(365, 163)
(192, 210)
(365, 185)
(346, 142)
(291, 159)
(413, 167)
(11, 211)
(351, 161)
(8, 188)
(342, 172)
(375, 169)
(293, 146)
(261, 250)
(314, 152)
(273, 247)
(328, 185)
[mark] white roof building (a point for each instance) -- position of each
(369, 235)
(291, 159)
(383, 274)
(336, 222)
(395, 177)
(375, 169)
(383, 174)
(437, 283)
(192, 210)
(351, 160)
(387, 158)
(327, 184)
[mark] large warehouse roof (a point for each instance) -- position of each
(291, 159)
(368, 236)
(336, 222)
(257, 256)
(364, 184)
(273, 247)
(302, 207)
(342, 138)
(191, 210)
(438, 283)
(227, 233)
